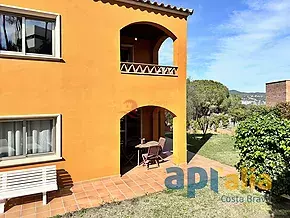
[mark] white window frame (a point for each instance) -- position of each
(36, 14)
(31, 159)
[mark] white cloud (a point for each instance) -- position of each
(254, 46)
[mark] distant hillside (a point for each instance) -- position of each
(256, 98)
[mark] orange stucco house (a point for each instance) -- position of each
(80, 79)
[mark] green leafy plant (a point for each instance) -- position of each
(263, 141)
(283, 110)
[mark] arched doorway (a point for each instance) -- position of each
(149, 123)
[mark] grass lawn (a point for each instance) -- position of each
(176, 204)
(216, 147)
(219, 147)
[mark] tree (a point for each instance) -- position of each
(204, 97)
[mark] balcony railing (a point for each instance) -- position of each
(148, 69)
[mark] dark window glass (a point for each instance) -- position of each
(10, 33)
(39, 36)
(126, 54)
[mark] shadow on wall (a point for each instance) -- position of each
(120, 4)
(64, 179)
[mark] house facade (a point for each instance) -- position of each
(277, 92)
(78, 78)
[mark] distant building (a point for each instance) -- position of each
(277, 92)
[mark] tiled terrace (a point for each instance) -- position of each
(137, 182)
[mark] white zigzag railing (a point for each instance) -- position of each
(148, 69)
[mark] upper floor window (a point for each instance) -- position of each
(29, 33)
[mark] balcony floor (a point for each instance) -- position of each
(138, 182)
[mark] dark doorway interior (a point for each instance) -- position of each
(130, 137)
(127, 53)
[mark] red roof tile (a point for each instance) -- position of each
(184, 11)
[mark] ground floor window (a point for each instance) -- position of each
(29, 136)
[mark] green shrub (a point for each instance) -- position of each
(283, 110)
(263, 141)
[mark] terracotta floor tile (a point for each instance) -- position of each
(100, 188)
(56, 205)
(38, 204)
(104, 194)
(105, 180)
(107, 199)
(123, 187)
(15, 208)
(76, 189)
(89, 187)
(69, 202)
(139, 193)
(43, 214)
(136, 188)
(27, 206)
(83, 201)
(108, 184)
(132, 182)
(111, 188)
(96, 203)
(133, 185)
(59, 211)
(68, 198)
(44, 208)
(93, 198)
(119, 197)
(115, 179)
(120, 182)
(141, 182)
(150, 190)
(71, 208)
(145, 186)
(158, 188)
(97, 184)
(127, 181)
(80, 195)
(126, 191)
(29, 211)
(85, 206)
(55, 200)
(92, 193)
(13, 215)
(30, 216)
(116, 192)
(129, 195)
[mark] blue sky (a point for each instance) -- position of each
(241, 43)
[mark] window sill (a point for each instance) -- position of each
(29, 160)
(31, 57)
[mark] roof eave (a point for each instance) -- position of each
(161, 7)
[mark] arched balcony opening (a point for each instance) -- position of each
(139, 49)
